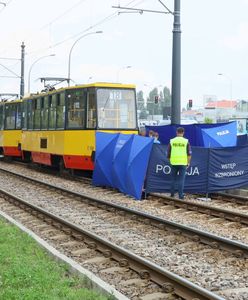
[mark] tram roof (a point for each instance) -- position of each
(10, 101)
(80, 86)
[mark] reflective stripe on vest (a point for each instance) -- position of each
(179, 154)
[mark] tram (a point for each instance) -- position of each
(10, 128)
(58, 127)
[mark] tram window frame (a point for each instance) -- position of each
(24, 116)
(52, 103)
(30, 114)
(60, 111)
(1, 117)
(18, 119)
(9, 116)
(91, 121)
(37, 114)
(44, 112)
(77, 109)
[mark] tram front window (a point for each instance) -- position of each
(116, 108)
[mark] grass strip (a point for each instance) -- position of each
(28, 272)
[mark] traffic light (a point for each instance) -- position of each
(190, 103)
(156, 99)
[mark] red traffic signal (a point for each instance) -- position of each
(190, 103)
(156, 99)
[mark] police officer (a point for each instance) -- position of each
(179, 155)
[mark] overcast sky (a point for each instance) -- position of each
(214, 40)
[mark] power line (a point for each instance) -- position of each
(53, 20)
(4, 5)
(105, 19)
(102, 21)
(62, 15)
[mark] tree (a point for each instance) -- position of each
(164, 101)
(140, 100)
(167, 97)
(141, 105)
(151, 106)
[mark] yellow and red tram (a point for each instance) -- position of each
(10, 128)
(58, 127)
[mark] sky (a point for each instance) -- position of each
(132, 48)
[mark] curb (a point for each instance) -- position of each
(93, 282)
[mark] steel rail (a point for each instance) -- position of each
(216, 242)
(169, 281)
(205, 209)
(232, 197)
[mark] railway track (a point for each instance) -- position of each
(211, 216)
(237, 211)
(111, 257)
(168, 234)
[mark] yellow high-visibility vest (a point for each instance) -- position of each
(179, 154)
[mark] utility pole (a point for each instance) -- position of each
(176, 67)
(22, 70)
(176, 55)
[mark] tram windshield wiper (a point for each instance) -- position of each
(106, 102)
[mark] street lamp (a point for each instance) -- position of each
(230, 83)
(69, 60)
(118, 73)
(29, 73)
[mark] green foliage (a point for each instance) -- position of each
(208, 120)
(28, 273)
(140, 100)
(164, 101)
(141, 105)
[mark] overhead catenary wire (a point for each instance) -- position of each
(62, 14)
(4, 5)
(107, 18)
(100, 22)
(53, 20)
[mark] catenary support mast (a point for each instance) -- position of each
(176, 67)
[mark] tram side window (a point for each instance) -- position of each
(18, 116)
(10, 111)
(24, 115)
(52, 111)
(76, 109)
(60, 111)
(30, 114)
(1, 117)
(37, 109)
(91, 111)
(44, 112)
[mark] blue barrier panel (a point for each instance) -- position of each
(120, 161)
(228, 168)
(137, 165)
(242, 140)
(193, 132)
(221, 136)
(159, 171)
(105, 146)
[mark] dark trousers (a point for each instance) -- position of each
(178, 177)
